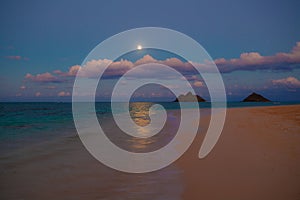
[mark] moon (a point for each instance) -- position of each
(139, 47)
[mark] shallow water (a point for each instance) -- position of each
(41, 156)
(23, 124)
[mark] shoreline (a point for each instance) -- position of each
(257, 157)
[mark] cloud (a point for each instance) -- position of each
(247, 61)
(72, 71)
(63, 94)
(289, 81)
(192, 78)
(145, 59)
(37, 94)
(116, 69)
(255, 61)
(45, 78)
(14, 57)
(51, 87)
(251, 61)
(198, 84)
(17, 58)
(23, 87)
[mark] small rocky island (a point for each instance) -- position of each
(189, 97)
(254, 97)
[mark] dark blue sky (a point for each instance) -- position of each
(43, 36)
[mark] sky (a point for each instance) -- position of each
(255, 44)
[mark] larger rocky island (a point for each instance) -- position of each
(189, 97)
(254, 97)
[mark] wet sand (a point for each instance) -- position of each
(256, 157)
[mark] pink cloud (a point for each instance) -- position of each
(192, 78)
(51, 87)
(58, 72)
(63, 94)
(14, 57)
(255, 61)
(45, 77)
(17, 58)
(246, 61)
(145, 59)
(72, 71)
(198, 84)
(289, 81)
(37, 94)
(118, 68)
(94, 67)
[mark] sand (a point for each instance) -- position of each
(256, 157)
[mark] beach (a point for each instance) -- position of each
(256, 157)
(150, 100)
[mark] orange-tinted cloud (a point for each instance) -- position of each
(198, 84)
(72, 71)
(63, 94)
(45, 77)
(17, 58)
(289, 82)
(247, 61)
(255, 61)
(92, 68)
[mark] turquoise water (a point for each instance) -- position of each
(32, 168)
(23, 124)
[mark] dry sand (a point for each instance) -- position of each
(256, 157)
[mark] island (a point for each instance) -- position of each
(189, 97)
(254, 97)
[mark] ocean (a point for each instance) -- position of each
(41, 156)
(25, 124)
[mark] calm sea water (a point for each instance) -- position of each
(27, 159)
(23, 124)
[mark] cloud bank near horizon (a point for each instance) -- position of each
(59, 83)
(251, 61)
(255, 61)
(290, 81)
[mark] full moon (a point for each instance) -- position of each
(139, 47)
